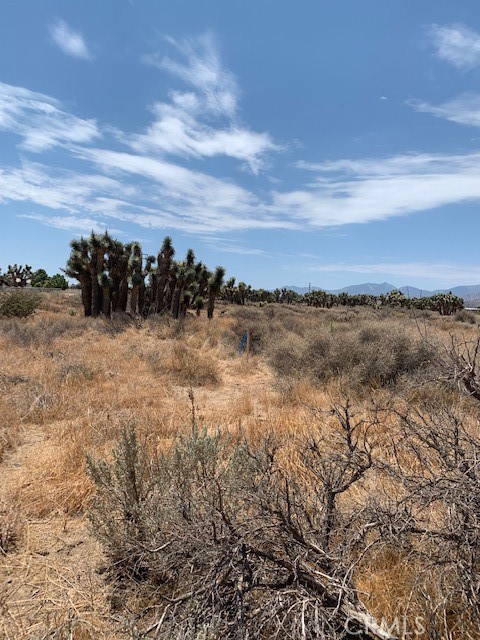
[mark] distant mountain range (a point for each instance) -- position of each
(470, 293)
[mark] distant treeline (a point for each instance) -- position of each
(23, 276)
(113, 276)
(445, 303)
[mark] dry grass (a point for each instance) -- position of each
(11, 525)
(69, 386)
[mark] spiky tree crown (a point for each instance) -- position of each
(216, 280)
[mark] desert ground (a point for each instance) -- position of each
(370, 413)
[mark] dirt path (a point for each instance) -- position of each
(50, 584)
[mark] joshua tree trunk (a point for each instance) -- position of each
(176, 302)
(121, 304)
(153, 290)
(214, 288)
(169, 296)
(106, 291)
(134, 299)
(141, 298)
(96, 302)
(160, 296)
(96, 269)
(210, 305)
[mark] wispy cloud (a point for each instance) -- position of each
(133, 178)
(456, 44)
(444, 272)
(176, 130)
(66, 190)
(202, 123)
(157, 194)
(69, 223)
(193, 200)
(70, 41)
(40, 120)
(358, 191)
(202, 68)
(226, 245)
(464, 109)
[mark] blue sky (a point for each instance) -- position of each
(325, 142)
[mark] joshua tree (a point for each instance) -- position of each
(394, 298)
(106, 282)
(88, 263)
(163, 272)
(17, 276)
(138, 273)
(78, 268)
(118, 260)
(105, 267)
(199, 305)
(242, 292)
(214, 286)
(135, 272)
(185, 277)
(186, 302)
(98, 245)
(446, 303)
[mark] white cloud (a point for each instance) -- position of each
(69, 223)
(358, 191)
(68, 191)
(177, 130)
(464, 109)
(225, 245)
(202, 69)
(456, 44)
(156, 194)
(202, 123)
(445, 272)
(192, 200)
(139, 185)
(70, 41)
(40, 121)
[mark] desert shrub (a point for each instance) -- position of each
(286, 356)
(42, 331)
(164, 327)
(18, 304)
(371, 354)
(187, 366)
(232, 540)
(75, 371)
(60, 301)
(435, 524)
(264, 325)
(466, 316)
(117, 323)
(18, 333)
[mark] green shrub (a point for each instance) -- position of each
(18, 304)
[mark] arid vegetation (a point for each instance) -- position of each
(156, 484)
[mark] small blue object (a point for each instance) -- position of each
(243, 343)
